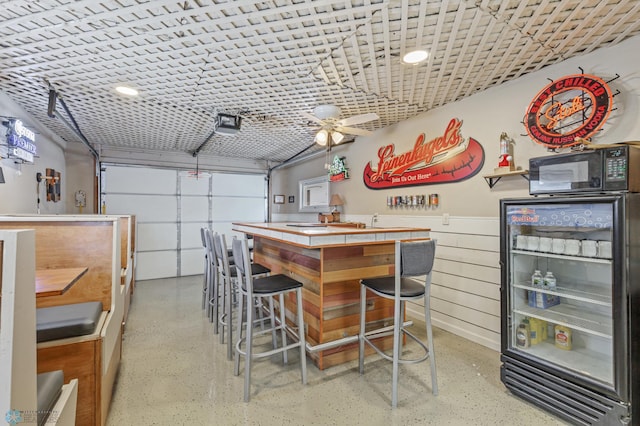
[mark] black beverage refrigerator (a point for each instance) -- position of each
(570, 302)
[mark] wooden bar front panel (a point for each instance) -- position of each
(331, 293)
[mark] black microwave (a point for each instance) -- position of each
(610, 169)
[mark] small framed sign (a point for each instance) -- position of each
(278, 199)
(292, 199)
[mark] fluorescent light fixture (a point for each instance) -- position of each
(129, 91)
(415, 56)
(322, 137)
(337, 137)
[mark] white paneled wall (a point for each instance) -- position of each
(465, 295)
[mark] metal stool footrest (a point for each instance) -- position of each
(377, 334)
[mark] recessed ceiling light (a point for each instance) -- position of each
(415, 57)
(127, 91)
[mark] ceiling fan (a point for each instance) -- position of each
(332, 129)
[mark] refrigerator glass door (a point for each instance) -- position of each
(560, 285)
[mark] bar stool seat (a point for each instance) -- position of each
(256, 269)
(270, 286)
(273, 284)
(386, 286)
(412, 259)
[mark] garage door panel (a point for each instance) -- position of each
(238, 209)
(147, 208)
(193, 186)
(191, 262)
(190, 235)
(141, 180)
(194, 208)
(157, 236)
(232, 184)
(156, 264)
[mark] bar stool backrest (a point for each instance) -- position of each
(220, 252)
(208, 244)
(202, 232)
(416, 257)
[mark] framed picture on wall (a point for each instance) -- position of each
(292, 198)
(278, 199)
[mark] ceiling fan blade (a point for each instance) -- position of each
(353, 131)
(312, 117)
(358, 119)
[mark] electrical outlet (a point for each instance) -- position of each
(445, 218)
(375, 217)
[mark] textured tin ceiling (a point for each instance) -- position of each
(269, 60)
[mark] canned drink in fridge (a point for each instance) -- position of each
(433, 200)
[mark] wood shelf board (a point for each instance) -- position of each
(509, 173)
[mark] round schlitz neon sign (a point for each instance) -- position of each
(568, 110)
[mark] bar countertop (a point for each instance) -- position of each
(326, 235)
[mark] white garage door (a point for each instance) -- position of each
(172, 205)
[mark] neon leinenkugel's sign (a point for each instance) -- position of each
(444, 159)
(568, 110)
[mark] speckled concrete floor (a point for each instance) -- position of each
(175, 372)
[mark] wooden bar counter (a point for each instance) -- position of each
(330, 260)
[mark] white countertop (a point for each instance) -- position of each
(321, 235)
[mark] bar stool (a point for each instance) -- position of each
(225, 289)
(273, 285)
(413, 259)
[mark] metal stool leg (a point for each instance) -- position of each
(229, 305)
(283, 318)
(248, 356)
(236, 358)
(432, 354)
(301, 337)
(214, 301)
(397, 327)
(363, 314)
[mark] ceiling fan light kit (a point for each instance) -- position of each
(322, 137)
(336, 137)
(333, 129)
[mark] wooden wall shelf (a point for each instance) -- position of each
(492, 179)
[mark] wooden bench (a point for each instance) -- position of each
(93, 242)
(23, 395)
